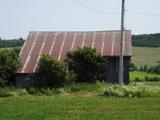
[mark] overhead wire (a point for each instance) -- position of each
(95, 9)
(115, 13)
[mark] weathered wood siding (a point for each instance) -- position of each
(112, 75)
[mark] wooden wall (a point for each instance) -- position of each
(112, 75)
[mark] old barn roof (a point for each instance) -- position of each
(57, 44)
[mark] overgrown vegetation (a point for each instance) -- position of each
(87, 65)
(138, 76)
(146, 40)
(153, 69)
(50, 73)
(97, 89)
(8, 65)
(11, 43)
(145, 73)
(131, 90)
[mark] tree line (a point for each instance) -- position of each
(11, 43)
(146, 40)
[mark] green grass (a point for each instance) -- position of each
(142, 75)
(85, 104)
(145, 55)
(79, 108)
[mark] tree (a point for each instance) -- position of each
(87, 65)
(51, 73)
(8, 65)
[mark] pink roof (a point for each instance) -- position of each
(57, 44)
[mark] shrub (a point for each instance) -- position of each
(132, 90)
(87, 65)
(51, 73)
(8, 65)
(137, 79)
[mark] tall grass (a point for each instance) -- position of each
(11, 91)
(100, 88)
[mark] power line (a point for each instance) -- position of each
(115, 13)
(143, 13)
(95, 9)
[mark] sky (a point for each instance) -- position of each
(18, 17)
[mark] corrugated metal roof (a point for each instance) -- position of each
(57, 44)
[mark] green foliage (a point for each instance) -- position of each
(70, 77)
(10, 92)
(154, 69)
(87, 65)
(131, 90)
(85, 87)
(11, 43)
(146, 40)
(98, 88)
(138, 76)
(8, 65)
(51, 73)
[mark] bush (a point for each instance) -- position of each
(132, 90)
(137, 79)
(87, 65)
(50, 73)
(8, 65)
(9, 92)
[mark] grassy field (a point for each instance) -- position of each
(80, 106)
(144, 55)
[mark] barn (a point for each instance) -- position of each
(58, 43)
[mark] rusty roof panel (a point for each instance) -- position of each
(108, 41)
(98, 41)
(88, 39)
(67, 44)
(57, 44)
(48, 43)
(78, 40)
(115, 44)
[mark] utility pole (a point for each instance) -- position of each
(121, 44)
